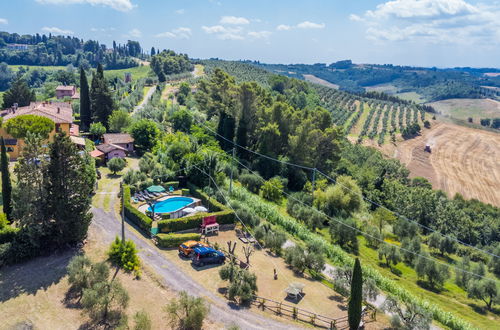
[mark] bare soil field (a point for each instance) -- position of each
(463, 160)
(316, 80)
(465, 108)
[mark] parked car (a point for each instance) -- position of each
(186, 248)
(206, 255)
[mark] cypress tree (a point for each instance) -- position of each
(101, 100)
(85, 114)
(19, 93)
(356, 299)
(241, 137)
(6, 184)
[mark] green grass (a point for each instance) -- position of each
(37, 67)
(464, 108)
(451, 298)
(1, 99)
(138, 72)
(411, 96)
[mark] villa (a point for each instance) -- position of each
(122, 140)
(67, 91)
(60, 113)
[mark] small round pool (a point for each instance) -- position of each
(171, 204)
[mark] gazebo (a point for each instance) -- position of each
(295, 290)
(155, 189)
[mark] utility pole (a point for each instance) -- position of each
(231, 177)
(123, 212)
(313, 182)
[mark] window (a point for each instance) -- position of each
(10, 149)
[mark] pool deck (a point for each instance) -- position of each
(144, 206)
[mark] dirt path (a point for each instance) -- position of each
(220, 310)
(463, 160)
(145, 100)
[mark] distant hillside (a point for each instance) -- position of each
(430, 84)
(52, 50)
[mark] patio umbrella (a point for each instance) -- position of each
(201, 209)
(189, 210)
(157, 189)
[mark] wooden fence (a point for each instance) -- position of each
(299, 314)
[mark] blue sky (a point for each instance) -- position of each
(443, 33)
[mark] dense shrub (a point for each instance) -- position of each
(134, 215)
(174, 240)
(7, 234)
(252, 182)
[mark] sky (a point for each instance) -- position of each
(441, 33)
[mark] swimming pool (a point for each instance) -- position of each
(171, 204)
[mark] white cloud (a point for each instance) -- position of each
(121, 5)
(135, 33)
(179, 33)
(56, 30)
(94, 29)
(224, 33)
(4, 21)
(180, 11)
(310, 25)
(283, 27)
(355, 18)
(435, 21)
(233, 20)
(259, 34)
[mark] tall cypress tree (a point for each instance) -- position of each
(85, 112)
(356, 299)
(6, 184)
(101, 100)
(71, 179)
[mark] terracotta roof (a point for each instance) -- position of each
(58, 112)
(65, 88)
(108, 147)
(77, 140)
(96, 153)
(118, 138)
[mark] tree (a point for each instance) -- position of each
(187, 312)
(124, 255)
(242, 283)
(435, 274)
(273, 240)
(142, 321)
(19, 126)
(69, 186)
(390, 253)
(485, 290)
(101, 99)
(356, 297)
(272, 189)
(383, 216)
(182, 121)
(410, 248)
(296, 258)
(105, 301)
(494, 263)
(408, 317)
(119, 121)
(343, 232)
(344, 196)
(116, 164)
(145, 134)
(83, 274)
(85, 113)
(97, 129)
(6, 183)
(19, 93)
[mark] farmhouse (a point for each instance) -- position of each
(112, 151)
(17, 46)
(67, 91)
(60, 113)
(120, 139)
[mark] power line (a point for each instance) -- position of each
(371, 236)
(347, 188)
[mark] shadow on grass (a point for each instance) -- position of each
(427, 286)
(479, 309)
(34, 275)
(113, 176)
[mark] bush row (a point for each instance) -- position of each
(173, 240)
(341, 258)
(140, 219)
(7, 234)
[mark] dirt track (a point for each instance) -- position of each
(463, 160)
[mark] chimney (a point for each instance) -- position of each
(58, 110)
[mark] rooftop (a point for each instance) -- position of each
(108, 147)
(58, 112)
(65, 88)
(118, 138)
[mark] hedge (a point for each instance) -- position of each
(7, 234)
(137, 217)
(174, 240)
(174, 184)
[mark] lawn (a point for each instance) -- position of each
(37, 67)
(411, 96)
(465, 108)
(138, 72)
(468, 309)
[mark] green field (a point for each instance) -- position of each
(411, 96)
(37, 67)
(465, 108)
(138, 72)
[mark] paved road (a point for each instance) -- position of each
(220, 310)
(146, 99)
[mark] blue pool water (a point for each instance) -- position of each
(171, 204)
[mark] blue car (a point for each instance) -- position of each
(206, 255)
